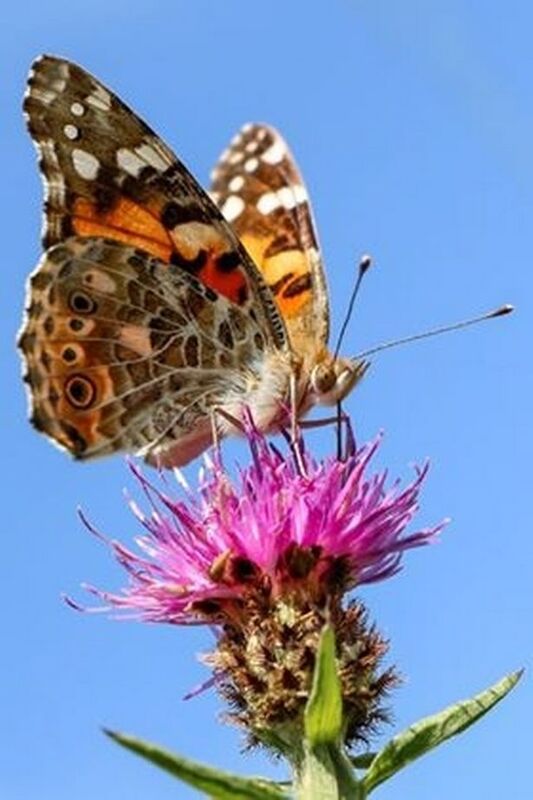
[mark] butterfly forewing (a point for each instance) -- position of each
(107, 174)
(259, 189)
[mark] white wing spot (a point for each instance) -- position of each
(99, 98)
(233, 207)
(235, 158)
(71, 132)
(85, 164)
(77, 109)
(49, 152)
(236, 183)
(152, 157)
(299, 193)
(275, 153)
(129, 162)
(268, 202)
(251, 165)
(59, 85)
(287, 197)
(292, 196)
(55, 191)
(251, 147)
(44, 96)
(100, 280)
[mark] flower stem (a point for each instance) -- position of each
(326, 774)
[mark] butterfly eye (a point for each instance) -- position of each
(332, 382)
(323, 378)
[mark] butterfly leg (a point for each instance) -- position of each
(214, 429)
(296, 449)
(293, 407)
(339, 430)
(294, 437)
(309, 424)
(345, 447)
(229, 418)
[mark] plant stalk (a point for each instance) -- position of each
(325, 773)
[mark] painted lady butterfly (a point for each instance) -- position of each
(155, 306)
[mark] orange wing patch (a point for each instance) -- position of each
(195, 246)
(287, 274)
(126, 222)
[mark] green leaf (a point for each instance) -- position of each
(362, 761)
(213, 782)
(427, 734)
(323, 713)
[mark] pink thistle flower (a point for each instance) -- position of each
(285, 527)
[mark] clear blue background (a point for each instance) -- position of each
(413, 125)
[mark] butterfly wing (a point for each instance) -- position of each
(145, 307)
(258, 187)
(127, 353)
(107, 174)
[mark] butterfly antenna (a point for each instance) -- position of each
(364, 265)
(498, 312)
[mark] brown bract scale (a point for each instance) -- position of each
(267, 661)
(271, 630)
(300, 572)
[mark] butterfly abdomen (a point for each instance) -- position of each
(263, 390)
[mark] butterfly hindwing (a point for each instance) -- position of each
(259, 189)
(107, 174)
(127, 353)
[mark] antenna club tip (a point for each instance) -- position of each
(507, 308)
(365, 262)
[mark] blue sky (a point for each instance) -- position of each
(412, 123)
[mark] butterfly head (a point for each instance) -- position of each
(334, 378)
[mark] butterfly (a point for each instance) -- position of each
(159, 315)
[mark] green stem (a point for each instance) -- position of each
(325, 773)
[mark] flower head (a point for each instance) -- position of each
(285, 526)
(269, 556)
